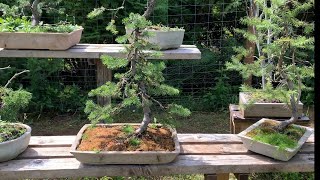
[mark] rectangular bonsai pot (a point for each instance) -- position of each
(41, 40)
(265, 109)
(270, 150)
(123, 157)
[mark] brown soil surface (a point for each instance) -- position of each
(112, 138)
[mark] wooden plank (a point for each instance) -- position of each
(183, 138)
(94, 51)
(40, 152)
(188, 164)
(47, 141)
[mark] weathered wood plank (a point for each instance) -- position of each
(103, 75)
(94, 51)
(34, 152)
(183, 138)
(185, 164)
(65, 141)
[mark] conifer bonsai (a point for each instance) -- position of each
(283, 42)
(142, 81)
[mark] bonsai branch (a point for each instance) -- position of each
(150, 6)
(14, 76)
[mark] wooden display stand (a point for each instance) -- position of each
(94, 51)
(238, 123)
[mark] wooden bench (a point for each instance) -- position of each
(214, 155)
(239, 123)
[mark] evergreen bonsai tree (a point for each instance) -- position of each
(22, 7)
(142, 81)
(283, 39)
(12, 101)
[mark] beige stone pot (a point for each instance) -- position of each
(265, 109)
(171, 39)
(11, 149)
(51, 41)
(271, 150)
(123, 157)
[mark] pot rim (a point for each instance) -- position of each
(76, 142)
(301, 141)
(22, 136)
(46, 33)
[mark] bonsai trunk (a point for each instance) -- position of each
(293, 100)
(35, 19)
(145, 100)
(146, 111)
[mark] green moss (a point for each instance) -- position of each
(287, 139)
(10, 131)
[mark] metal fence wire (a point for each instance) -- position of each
(205, 23)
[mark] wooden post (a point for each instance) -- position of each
(103, 75)
(220, 176)
(241, 176)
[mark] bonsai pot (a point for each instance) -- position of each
(41, 40)
(123, 157)
(12, 148)
(265, 109)
(165, 39)
(271, 150)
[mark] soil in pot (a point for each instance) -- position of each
(115, 138)
(258, 99)
(10, 131)
(266, 133)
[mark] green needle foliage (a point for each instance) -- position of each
(142, 81)
(283, 39)
(12, 101)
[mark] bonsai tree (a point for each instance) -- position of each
(142, 81)
(12, 101)
(34, 6)
(282, 39)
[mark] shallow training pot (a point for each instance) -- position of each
(123, 157)
(271, 150)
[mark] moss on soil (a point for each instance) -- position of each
(10, 131)
(266, 133)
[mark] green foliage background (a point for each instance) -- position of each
(204, 84)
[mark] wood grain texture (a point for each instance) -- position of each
(184, 164)
(94, 51)
(49, 157)
(103, 75)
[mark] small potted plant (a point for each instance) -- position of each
(23, 33)
(14, 137)
(282, 41)
(145, 143)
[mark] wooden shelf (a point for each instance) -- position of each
(94, 51)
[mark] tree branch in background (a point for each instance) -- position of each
(14, 76)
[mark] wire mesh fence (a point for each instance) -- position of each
(204, 22)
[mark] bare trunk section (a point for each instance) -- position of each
(145, 100)
(146, 110)
(294, 101)
(35, 19)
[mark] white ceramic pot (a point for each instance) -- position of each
(11, 149)
(271, 150)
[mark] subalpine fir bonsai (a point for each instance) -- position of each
(14, 137)
(283, 40)
(17, 31)
(137, 87)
